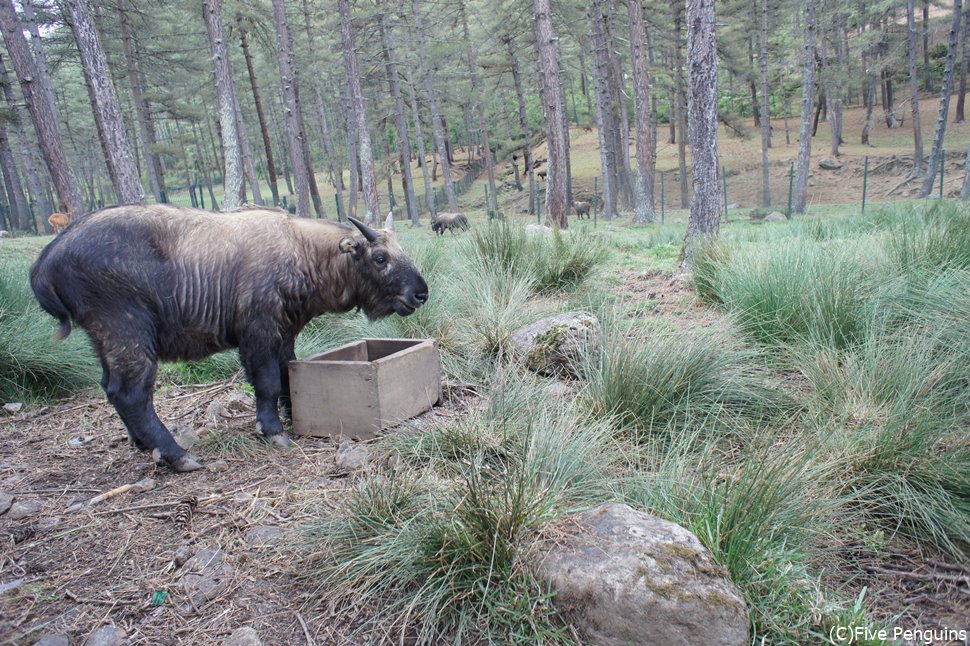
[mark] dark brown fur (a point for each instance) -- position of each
(449, 221)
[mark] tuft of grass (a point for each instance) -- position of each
(940, 239)
(231, 443)
(33, 367)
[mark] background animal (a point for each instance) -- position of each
(452, 221)
(150, 283)
(582, 209)
(58, 221)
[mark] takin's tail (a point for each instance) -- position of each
(49, 301)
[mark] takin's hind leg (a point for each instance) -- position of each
(129, 386)
(105, 383)
(264, 372)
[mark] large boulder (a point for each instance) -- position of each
(828, 163)
(775, 216)
(555, 345)
(626, 577)
(533, 229)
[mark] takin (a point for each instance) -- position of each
(58, 221)
(151, 283)
(582, 209)
(449, 221)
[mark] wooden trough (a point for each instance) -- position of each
(360, 388)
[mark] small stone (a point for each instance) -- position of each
(322, 482)
(533, 229)
(144, 485)
(53, 639)
(351, 456)
(246, 636)
(4, 233)
(80, 440)
(6, 500)
(733, 205)
(218, 466)
(263, 535)
(828, 163)
(216, 413)
(13, 407)
(10, 586)
(678, 221)
(239, 402)
(49, 523)
(182, 554)
(207, 576)
(905, 193)
(109, 635)
(24, 508)
(186, 437)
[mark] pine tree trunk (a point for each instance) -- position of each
(352, 161)
(11, 178)
(837, 90)
(400, 120)
(965, 64)
(643, 210)
(948, 73)
(336, 173)
(437, 124)
(681, 101)
(552, 106)
(228, 129)
(765, 107)
(260, 114)
(40, 104)
(364, 154)
(808, 94)
(479, 107)
(622, 132)
(927, 70)
(914, 89)
(705, 211)
(418, 132)
(291, 121)
(605, 119)
(247, 153)
(146, 129)
(523, 121)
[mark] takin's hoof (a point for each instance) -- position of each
(279, 440)
(182, 464)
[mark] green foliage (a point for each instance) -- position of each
(33, 367)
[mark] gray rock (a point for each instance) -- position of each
(556, 345)
(533, 229)
(624, 575)
(239, 402)
(733, 205)
(186, 437)
(24, 508)
(775, 216)
(207, 576)
(182, 555)
(80, 440)
(53, 640)
(5, 501)
(109, 635)
(263, 536)
(351, 456)
(827, 163)
(4, 233)
(905, 194)
(678, 221)
(13, 407)
(216, 413)
(144, 485)
(217, 466)
(246, 636)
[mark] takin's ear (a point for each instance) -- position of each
(347, 245)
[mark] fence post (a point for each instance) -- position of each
(791, 184)
(434, 209)
(201, 196)
(865, 182)
(340, 211)
(942, 166)
(539, 203)
(488, 205)
(662, 197)
(724, 180)
(596, 196)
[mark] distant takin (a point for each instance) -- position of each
(150, 283)
(449, 221)
(58, 221)
(582, 209)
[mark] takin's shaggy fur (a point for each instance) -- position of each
(449, 221)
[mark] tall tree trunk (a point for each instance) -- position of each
(419, 132)
(836, 90)
(336, 173)
(755, 105)
(869, 91)
(523, 120)
(40, 104)
(146, 129)
(652, 178)
(552, 106)
(765, 107)
(705, 211)
(247, 153)
(260, 114)
(437, 124)
(808, 93)
(643, 210)
(927, 70)
(11, 179)
(364, 154)
(400, 119)
(472, 61)
(914, 90)
(228, 129)
(352, 160)
(965, 64)
(298, 164)
(605, 119)
(681, 101)
(584, 81)
(940, 131)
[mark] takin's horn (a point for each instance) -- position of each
(369, 234)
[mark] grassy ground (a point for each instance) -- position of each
(800, 404)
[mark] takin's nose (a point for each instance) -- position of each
(421, 296)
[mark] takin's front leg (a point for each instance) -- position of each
(262, 366)
(287, 354)
(128, 382)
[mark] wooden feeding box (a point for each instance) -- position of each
(361, 388)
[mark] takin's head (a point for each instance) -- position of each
(388, 280)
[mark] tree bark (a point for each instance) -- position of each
(765, 107)
(622, 132)
(937, 149)
(705, 211)
(643, 210)
(836, 87)
(808, 93)
(11, 179)
(294, 133)
(260, 114)
(605, 118)
(364, 154)
(437, 124)
(247, 153)
(965, 64)
(681, 101)
(552, 106)
(228, 129)
(400, 119)
(40, 104)
(336, 172)
(914, 89)
(418, 130)
(523, 121)
(472, 61)
(927, 72)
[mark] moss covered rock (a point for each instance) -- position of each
(556, 346)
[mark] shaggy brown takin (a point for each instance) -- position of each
(449, 221)
(150, 283)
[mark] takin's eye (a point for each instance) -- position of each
(380, 259)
